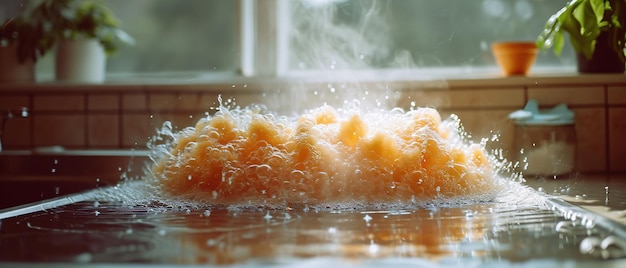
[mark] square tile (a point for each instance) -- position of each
(570, 95)
(590, 139)
(103, 130)
(65, 130)
(65, 102)
(14, 102)
(17, 134)
(135, 102)
(617, 139)
(163, 101)
(137, 129)
(616, 94)
(103, 102)
(463, 98)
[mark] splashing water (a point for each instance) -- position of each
(249, 156)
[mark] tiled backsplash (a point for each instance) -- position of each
(126, 116)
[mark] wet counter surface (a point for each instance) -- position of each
(518, 229)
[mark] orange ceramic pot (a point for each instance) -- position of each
(515, 58)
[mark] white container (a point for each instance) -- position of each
(80, 61)
(545, 141)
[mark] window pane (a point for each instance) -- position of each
(182, 35)
(187, 35)
(414, 33)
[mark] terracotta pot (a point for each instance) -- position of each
(515, 58)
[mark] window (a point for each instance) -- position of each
(188, 35)
(276, 37)
(348, 34)
(171, 36)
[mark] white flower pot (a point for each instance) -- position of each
(13, 71)
(80, 61)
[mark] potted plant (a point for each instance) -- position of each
(85, 31)
(22, 43)
(597, 32)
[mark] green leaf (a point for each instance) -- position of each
(559, 41)
(598, 7)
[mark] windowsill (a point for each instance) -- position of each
(425, 78)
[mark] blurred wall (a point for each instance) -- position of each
(126, 116)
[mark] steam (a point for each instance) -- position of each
(320, 40)
(348, 46)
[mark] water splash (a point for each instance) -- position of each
(325, 156)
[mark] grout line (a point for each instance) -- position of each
(31, 104)
(607, 134)
(120, 118)
(86, 119)
(525, 95)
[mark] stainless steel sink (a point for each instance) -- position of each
(29, 176)
(521, 228)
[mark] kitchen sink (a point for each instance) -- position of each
(92, 208)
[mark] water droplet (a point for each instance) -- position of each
(96, 204)
(267, 216)
(373, 248)
(367, 218)
(207, 213)
(85, 257)
(564, 226)
(97, 213)
(589, 245)
(57, 190)
(162, 232)
(613, 247)
(129, 231)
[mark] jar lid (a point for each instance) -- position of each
(532, 115)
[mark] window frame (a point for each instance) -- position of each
(264, 37)
(265, 43)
